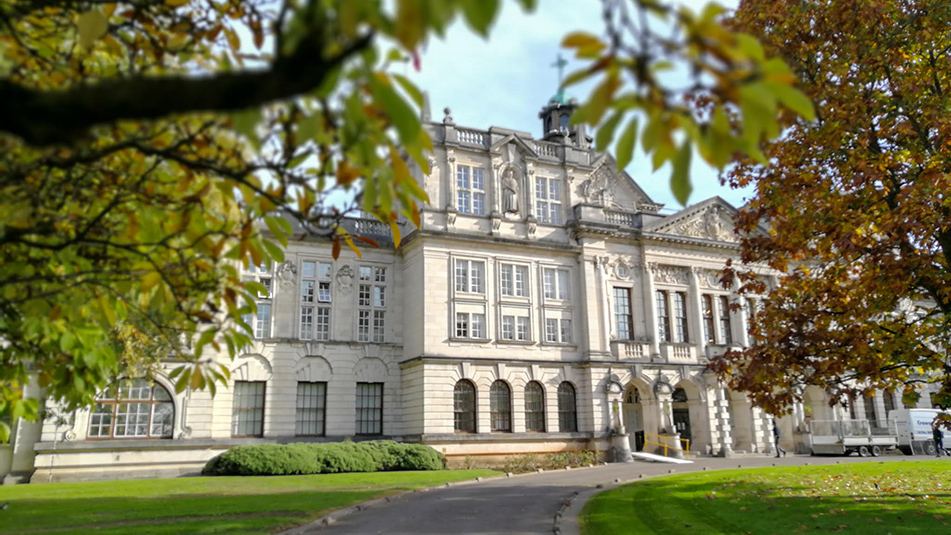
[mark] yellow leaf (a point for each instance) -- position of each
(91, 25)
(150, 280)
(580, 40)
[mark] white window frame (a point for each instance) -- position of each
(514, 280)
(558, 288)
(549, 209)
(371, 308)
(463, 280)
(315, 305)
(261, 324)
(469, 198)
(467, 320)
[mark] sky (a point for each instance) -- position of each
(505, 80)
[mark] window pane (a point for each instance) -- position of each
(566, 331)
(262, 329)
(548, 276)
(462, 275)
(311, 408)
(307, 291)
(363, 295)
(363, 325)
(567, 412)
(462, 325)
(506, 283)
(523, 329)
(478, 326)
(379, 296)
(306, 323)
(500, 407)
(365, 273)
(622, 313)
(378, 326)
(534, 407)
(308, 269)
(508, 327)
(563, 285)
(324, 270)
(464, 407)
(369, 408)
(521, 281)
(322, 332)
(248, 409)
(551, 330)
(476, 273)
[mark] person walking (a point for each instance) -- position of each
(938, 437)
(776, 436)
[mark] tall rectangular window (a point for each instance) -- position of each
(470, 190)
(680, 317)
(470, 276)
(369, 408)
(623, 317)
(513, 280)
(565, 332)
(551, 330)
(548, 200)
(708, 325)
(515, 328)
(247, 412)
(522, 330)
(663, 320)
(316, 298)
(751, 310)
(371, 303)
(508, 327)
(260, 322)
(311, 409)
(726, 330)
(556, 284)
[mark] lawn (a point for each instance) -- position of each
(911, 497)
(201, 504)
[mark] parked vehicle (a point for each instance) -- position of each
(845, 437)
(914, 430)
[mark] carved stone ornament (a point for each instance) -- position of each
(599, 187)
(496, 223)
(451, 218)
(287, 274)
(709, 225)
(708, 279)
(532, 227)
(662, 388)
(344, 279)
(69, 435)
(670, 274)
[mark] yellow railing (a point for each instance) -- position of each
(663, 441)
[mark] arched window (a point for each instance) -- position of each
(869, 408)
(500, 406)
(567, 408)
(889, 398)
(464, 407)
(534, 407)
(135, 409)
(679, 396)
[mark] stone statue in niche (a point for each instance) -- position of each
(509, 191)
(344, 279)
(713, 224)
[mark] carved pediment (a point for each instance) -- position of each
(606, 186)
(709, 220)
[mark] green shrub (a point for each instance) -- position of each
(324, 458)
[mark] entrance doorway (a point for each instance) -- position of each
(634, 418)
(681, 415)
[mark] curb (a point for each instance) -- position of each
(336, 515)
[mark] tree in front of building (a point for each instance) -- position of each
(857, 205)
(144, 144)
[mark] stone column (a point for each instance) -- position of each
(743, 316)
(723, 422)
(650, 310)
(696, 312)
(601, 266)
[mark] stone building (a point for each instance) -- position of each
(543, 289)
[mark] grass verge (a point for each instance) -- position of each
(201, 504)
(896, 498)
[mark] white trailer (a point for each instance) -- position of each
(914, 430)
(844, 437)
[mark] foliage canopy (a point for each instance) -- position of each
(856, 204)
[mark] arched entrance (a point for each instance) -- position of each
(634, 417)
(681, 414)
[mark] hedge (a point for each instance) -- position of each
(323, 458)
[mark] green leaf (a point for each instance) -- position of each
(606, 131)
(680, 179)
(275, 252)
(625, 145)
(480, 14)
(91, 25)
(277, 230)
(410, 88)
(401, 114)
(4, 432)
(750, 46)
(793, 99)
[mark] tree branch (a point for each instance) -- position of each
(51, 117)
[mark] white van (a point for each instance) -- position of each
(914, 430)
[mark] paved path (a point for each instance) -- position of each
(527, 504)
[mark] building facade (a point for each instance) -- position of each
(543, 289)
